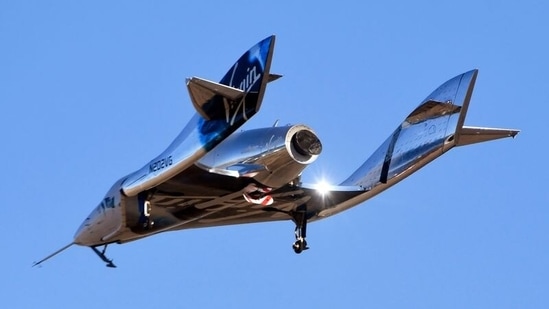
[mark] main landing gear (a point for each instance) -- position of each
(300, 219)
(299, 216)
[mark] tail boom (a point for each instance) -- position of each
(221, 109)
(432, 129)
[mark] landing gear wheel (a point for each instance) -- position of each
(300, 245)
(299, 216)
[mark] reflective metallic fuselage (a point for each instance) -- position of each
(280, 153)
(212, 175)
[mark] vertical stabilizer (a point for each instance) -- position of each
(240, 91)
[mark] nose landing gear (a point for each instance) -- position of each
(103, 257)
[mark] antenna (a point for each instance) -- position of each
(51, 255)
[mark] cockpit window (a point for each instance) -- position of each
(108, 202)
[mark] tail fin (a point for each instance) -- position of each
(240, 91)
(221, 109)
(433, 128)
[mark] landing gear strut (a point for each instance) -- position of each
(300, 219)
(102, 255)
(299, 216)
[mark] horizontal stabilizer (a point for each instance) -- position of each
(273, 77)
(472, 135)
(202, 91)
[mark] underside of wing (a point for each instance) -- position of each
(197, 198)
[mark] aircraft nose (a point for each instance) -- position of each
(82, 234)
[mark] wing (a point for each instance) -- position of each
(197, 197)
(430, 130)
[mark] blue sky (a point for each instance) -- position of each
(90, 91)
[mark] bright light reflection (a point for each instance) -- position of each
(323, 187)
